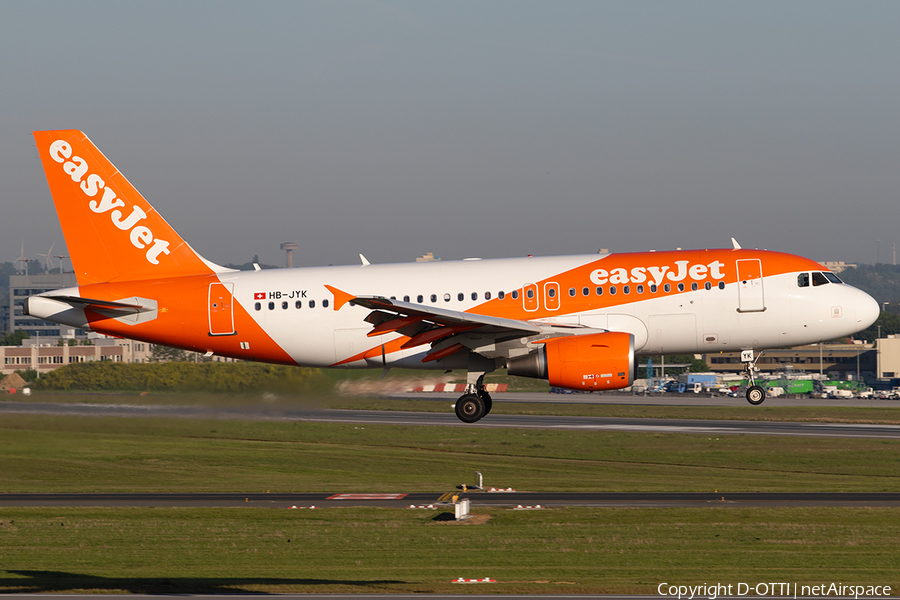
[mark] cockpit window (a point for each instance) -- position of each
(819, 279)
(832, 277)
(803, 280)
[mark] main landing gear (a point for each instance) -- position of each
(475, 403)
(756, 395)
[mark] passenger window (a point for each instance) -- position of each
(406, 298)
(585, 291)
(487, 295)
(652, 288)
(680, 287)
(501, 295)
(257, 306)
(572, 292)
(640, 289)
(551, 292)
(460, 296)
(694, 287)
(298, 304)
(819, 279)
(626, 289)
(284, 305)
(667, 288)
(803, 280)
(446, 297)
(312, 303)
(707, 285)
(612, 290)
(420, 299)
(474, 295)
(271, 306)
(515, 294)
(434, 297)
(530, 293)
(721, 285)
(324, 303)
(599, 291)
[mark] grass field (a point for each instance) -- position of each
(381, 550)
(571, 550)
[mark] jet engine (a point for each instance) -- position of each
(596, 361)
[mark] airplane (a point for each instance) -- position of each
(575, 321)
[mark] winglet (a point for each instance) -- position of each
(735, 244)
(340, 297)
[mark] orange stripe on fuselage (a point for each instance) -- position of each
(183, 319)
(638, 269)
(631, 269)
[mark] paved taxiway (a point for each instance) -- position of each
(448, 419)
(477, 498)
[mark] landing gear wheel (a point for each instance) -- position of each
(470, 408)
(488, 403)
(755, 395)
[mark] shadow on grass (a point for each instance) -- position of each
(37, 582)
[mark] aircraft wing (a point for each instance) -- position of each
(449, 331)
(407, 313)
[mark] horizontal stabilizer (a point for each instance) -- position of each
(97, 304)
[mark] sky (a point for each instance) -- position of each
(466, 128)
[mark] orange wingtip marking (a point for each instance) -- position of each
(393, 325)
(340, 297)
(435, 334)
(439, 354)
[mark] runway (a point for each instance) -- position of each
(685, 399)
(440, 501)
(448, 419)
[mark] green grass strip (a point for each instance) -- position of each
(600, 551)
(94, 454)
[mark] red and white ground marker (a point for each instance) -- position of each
(485, 580)
(367, 497)
(535, 507)
(501, 490)
(422, 506)
(302, 507)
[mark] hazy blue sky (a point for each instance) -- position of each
(481, 128)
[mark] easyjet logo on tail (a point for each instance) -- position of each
(141, 236)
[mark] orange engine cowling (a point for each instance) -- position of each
(597, 361)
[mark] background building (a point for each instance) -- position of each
(46, 354)
(837, 361)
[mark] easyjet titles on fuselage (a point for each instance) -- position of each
(140, 236)
(682, 270)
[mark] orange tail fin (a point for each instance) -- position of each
(112, 233)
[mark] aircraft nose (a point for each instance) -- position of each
(867, 310)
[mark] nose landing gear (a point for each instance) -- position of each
(756, 395)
